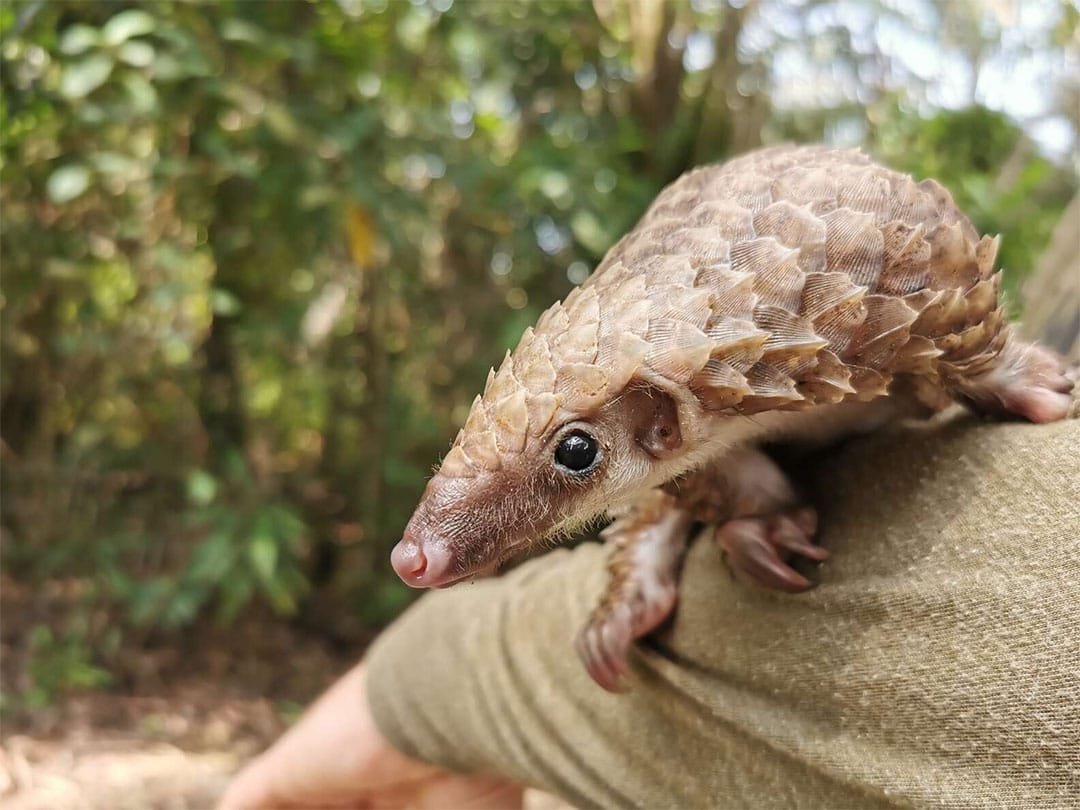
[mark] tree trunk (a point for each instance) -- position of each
(1051, 296)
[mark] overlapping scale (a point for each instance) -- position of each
(795, 227)
(778, 280)
(678, 350)
(907, 259)
(719, 386)
(854, 245)
(786, 278)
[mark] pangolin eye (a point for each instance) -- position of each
(577, 452)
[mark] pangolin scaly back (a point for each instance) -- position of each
(790, 277)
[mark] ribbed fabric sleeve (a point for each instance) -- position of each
(937, 664)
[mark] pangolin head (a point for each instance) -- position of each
(570, 424)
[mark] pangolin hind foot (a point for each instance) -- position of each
(759, 548)
(1023, 381)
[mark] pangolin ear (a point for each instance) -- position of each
(654, 420)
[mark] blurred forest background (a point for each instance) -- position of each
(257, 257)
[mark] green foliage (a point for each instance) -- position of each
(257, 258)
(57, 665)
(246, 548)
(994, 173)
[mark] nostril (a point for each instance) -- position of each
(422, 564)
(408, 560)
(438, 564)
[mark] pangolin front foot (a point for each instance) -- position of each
(759, 547)
(649, 541)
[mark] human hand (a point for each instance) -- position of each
(335, 757)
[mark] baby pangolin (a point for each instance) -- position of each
(796, 292)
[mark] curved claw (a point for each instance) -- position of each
(604, 643)
(603, 646)
(794, 531)
(758, 546)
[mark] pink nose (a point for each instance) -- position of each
(420, 567)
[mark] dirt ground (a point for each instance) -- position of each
(179, 718)
(124, 753)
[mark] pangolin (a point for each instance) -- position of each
(799, 293)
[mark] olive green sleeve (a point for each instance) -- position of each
(937, 663)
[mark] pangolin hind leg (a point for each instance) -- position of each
(1023, 380)
(760, 524)
(758, 548)
(766, 523)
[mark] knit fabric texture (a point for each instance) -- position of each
(937, 663)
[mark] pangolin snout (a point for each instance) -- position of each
(422, 562)
(453, 533)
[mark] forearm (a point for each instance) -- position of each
(335, 756)
(484, 678)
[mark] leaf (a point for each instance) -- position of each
(85, 675)
(143, 95)
(289, 526)
(238, 593)
(82, 78)
(282, 592)
(184, 607)
(137, 53)
(360, 231)
(213, 560)
(282, 123)
(125, 25)
(223, 302)
(77, 39)
(67, 183)
(115, 164)
(590, 232)
(236, 30)
(201, 487)
(146, 600)
(263, 553)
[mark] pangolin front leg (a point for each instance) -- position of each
(759, 524)
(649, 541)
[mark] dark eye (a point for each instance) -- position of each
(577, 452)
